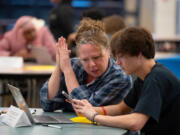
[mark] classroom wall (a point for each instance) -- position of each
(164, 18)
(160, 17)
(146, 14)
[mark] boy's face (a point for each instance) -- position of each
(128, 63)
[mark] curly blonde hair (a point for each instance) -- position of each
(93, 32)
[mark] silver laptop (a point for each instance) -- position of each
(42, 55)
(37, 119)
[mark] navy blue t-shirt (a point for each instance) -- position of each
(158, 96)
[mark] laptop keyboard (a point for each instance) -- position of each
(50, 119)
(62, 119)
(44, 119)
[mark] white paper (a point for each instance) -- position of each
(11, 62)
(15, 117)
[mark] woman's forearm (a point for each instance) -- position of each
(53, 84)
(70, 79)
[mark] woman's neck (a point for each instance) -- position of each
(90, 79)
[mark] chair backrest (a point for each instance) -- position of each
(172, 63)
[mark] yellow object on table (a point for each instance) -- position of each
(39, 67)
(81, 120)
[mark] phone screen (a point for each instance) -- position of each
(66, 95)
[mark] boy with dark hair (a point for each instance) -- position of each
(152, 105)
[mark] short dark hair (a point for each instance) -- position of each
(132, 41)
(67, 1)
(93, 13)
(113, 23)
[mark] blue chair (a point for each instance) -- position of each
(172, 63)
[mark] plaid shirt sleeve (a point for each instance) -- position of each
(58, 102)
(50, 105)
(109, 89)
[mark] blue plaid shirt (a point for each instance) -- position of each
(110, 88)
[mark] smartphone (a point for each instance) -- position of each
(66, 95)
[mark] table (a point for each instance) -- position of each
(33, 75)
(159, 55)
(67, 129)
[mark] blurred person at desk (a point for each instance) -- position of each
(152, 105)
(93, 75)
(27, 32)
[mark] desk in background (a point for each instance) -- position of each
(173, 43)
(29, 79)
(67, 129)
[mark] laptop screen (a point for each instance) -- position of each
(42, 55)
(17, 95)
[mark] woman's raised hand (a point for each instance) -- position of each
(62, 54)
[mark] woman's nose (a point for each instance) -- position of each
(92, 63)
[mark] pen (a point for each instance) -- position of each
(34, 111)
(53, 126)
(3, 112)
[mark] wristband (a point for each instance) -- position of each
(93, 117)
(104, 110)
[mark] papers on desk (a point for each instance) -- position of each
(11, 62)
(1, 116)
(3, 110)
(15, 117)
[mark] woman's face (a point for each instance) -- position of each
(30, 34)
(94, 60)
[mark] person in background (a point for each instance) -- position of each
(27, 32)
(93, 13)
(113, 24)
(93, 75)
(152, 105)
(61, 19)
